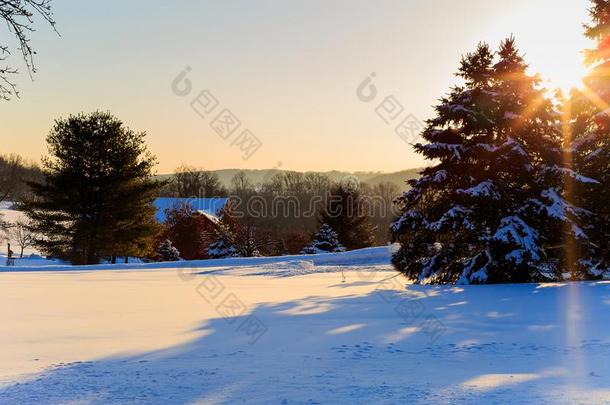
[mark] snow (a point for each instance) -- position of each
(455, 212)
(6, 205)
(510, 143)
(163, 336)
(456, 150)
(369, 256)
(479, 276)
(32, 260)
(572, 174)
(439, 176)
(483, 189)
(513, 230)
(207, 206)
(460, 108)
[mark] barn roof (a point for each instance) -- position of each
(207, 206)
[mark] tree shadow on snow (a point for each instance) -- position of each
(422, 345)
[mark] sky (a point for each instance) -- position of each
(288, 71)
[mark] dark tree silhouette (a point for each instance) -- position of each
(587, 112)
(491, 209)
(97, 197)
(190, 182)
(346, 214)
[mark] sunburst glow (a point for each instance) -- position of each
(566, 77)
(554, 50)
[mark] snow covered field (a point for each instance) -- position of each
(291, 332)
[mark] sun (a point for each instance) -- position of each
(554, 48)
(565, 77)
(560, 68)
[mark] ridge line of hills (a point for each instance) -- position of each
(258, 176)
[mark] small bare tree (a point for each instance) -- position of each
(22, 235)
(186, 182)
(19, 18)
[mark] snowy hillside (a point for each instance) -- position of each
(290, 331)
(12, 216)
(370, 256)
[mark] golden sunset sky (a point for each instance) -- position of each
(288, 70)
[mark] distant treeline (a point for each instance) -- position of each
(286, 203)
(15, 173)
(226, 176)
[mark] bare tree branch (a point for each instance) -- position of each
(21, 234)
(19, 18)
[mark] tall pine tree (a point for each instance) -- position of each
(491, 210)
(97, 197)
(588, 113)
(346, 214)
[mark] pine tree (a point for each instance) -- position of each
(166, 252)
(221, 250)
(588, 113)
(135, 228)
(491, 210)
(324, 241)
(97, 196)
(346, 215)
(223, 244)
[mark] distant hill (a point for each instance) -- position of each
(259, 176)
(398, 178)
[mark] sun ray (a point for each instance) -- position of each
(596, 99)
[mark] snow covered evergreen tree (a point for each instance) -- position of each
(324, 241)
(491, 210)
(223, 246)
(166, 252)
(242, 236)
(589, 116)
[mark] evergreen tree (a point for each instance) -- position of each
(588, 113)
(491, 210)
(97, 196)
(222, 247)
(346, 215)
(234, 238)
(324, 241)
(166, 252)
